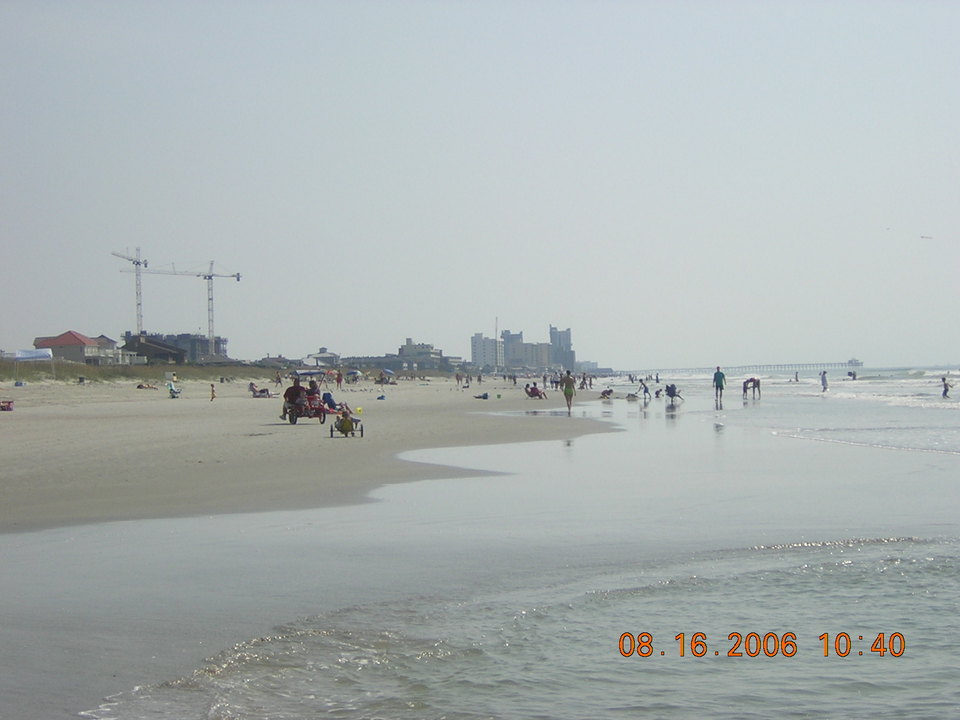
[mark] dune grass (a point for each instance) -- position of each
(65, 371)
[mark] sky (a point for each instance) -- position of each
(682, 184)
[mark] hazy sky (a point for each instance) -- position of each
(680, 183)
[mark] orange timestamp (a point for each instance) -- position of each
(753, 644)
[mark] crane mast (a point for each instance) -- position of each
(137, 263)
(208, 276)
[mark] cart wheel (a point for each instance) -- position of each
(292, 418)
(323, 416)
(331, 431)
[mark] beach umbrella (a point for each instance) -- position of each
(388, 371)
(353, 372)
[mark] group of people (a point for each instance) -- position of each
(566, 383)
(296, 396)
(534, 392)
(720, 381)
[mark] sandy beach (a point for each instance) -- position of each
(75, 454)
(768, 515)
(76, 457)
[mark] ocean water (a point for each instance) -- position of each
(803, 550)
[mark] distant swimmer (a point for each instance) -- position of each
(946, 387)
(719, 379)
(751, 383)
(823, 380)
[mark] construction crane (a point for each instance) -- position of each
(138, 263)
(208, 276)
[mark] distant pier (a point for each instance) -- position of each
(741, 369)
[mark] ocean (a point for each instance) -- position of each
(797, 555)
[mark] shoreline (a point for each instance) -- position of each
(98, 611)
(80, 454)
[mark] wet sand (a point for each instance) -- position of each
(95, 609)
(77, 454)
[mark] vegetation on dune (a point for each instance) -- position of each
(65, 371)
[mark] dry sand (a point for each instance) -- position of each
(74, 454)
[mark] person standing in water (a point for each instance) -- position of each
(718, 382)
(568, 384)
(946, 387)
(644, 389)
(823, 380)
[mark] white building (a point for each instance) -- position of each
(486, 352)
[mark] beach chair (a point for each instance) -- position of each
(673, 392)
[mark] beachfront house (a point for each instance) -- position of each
(77, 347)
(323, 358)
(421, 356)
(149, 349)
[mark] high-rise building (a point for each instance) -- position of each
(486, 352)
(535, 355)
(562, 355)
(512, 349)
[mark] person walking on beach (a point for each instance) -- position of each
(213, 392)
(569, 385)
(718, 382)
(946, 387)
(823, 380)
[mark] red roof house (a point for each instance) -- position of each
(77, 347)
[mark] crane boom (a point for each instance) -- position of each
(208, 276)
